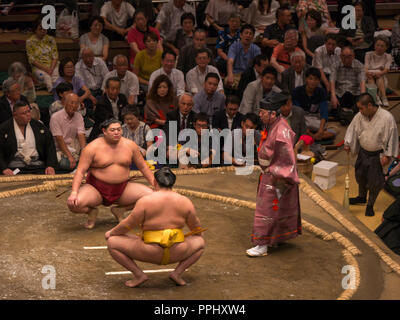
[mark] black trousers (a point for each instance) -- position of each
(369, 174)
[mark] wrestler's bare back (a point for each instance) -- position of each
(111, 162)
(165, 210)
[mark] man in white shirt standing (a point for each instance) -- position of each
(195, 77)
(129, 80)
(325, 57)
(373, 135)
(117, 16)
(92, 70)
(167, 68)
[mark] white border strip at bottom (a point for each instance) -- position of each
(145, 271)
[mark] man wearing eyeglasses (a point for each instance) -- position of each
(347, 81)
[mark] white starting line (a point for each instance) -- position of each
(145, 271)
(95, 248)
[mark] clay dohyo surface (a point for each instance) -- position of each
(39, 230)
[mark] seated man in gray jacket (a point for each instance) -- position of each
(258, 90)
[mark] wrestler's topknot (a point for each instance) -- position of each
(165, 177)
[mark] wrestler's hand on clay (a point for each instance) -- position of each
(73, 199)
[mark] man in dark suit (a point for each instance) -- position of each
(184, 116)
(230, 118)
(295, 75)
(12, 94)
(252, 73)
(109, 105)
(26, 144)
(295, 116)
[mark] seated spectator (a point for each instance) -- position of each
(305, 6)
(108, 106)
(224, 40)
(67, 74)
(95, 40)
(195, 78)
(26, 144)
(117, 16)
(92, 70)
(42, 53)
(97, 4)
(12, 94)
(274, 34)
(161, 99)
(294, 115)
(129, 81)
(395, 40)
(312, 29)
(68, 130)
(183, 118)
(62, 90)
(377, 64)
(184, 36)
(208, 100)
(258, 90)
(280, 58)
(147, 60)
(198, 155)
(187, 55)
(261, 14)
(136, 34)
(240, 56)
(325, 57)
(219, 11)
(136, 130)
(295, 75)
(347, 80)
(168, 20)
(252, 73)
(18, 72)
(183, 115)
(168, 59)
(362, 37)
(238, 156)
(230, 118)
(314, 101)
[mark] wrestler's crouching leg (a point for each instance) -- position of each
(119, 211)
(194, 249)
(120, 248)
(88, 199)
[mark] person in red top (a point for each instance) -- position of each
(135, 35)
(280, 58)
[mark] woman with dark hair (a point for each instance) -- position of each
(160, 100)
(67, 74)
(94, 39)
(313, 27)
(261, 13)
(184, 35)
(147, 60)
(136, 34)
(304, 6)
(43, 55)
(219, 11)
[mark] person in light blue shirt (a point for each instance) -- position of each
(209, 100)
(240, 55)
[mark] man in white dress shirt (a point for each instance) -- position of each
(167, 68)
(195, 77)
(129, 80)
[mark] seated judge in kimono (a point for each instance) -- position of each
(26, 144)
(277, 216)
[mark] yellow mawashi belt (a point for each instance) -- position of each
(165, 238)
